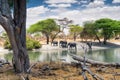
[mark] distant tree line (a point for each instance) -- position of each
(104, 28)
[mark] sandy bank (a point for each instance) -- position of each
(95, 46)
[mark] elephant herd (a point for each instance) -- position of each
(64, 44)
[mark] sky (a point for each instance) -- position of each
(77, 10)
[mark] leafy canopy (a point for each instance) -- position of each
(107, 26)
(88, 30)
(44, 26)
(75, 29)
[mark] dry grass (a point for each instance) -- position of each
(57, 71)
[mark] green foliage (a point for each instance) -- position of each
(45, 26)
(88, 30)
(7, 45)
(30, 43)
(103, 28)
(107, 27)
(4, 35)
(75, 30)
(36, 44)
(39, 34)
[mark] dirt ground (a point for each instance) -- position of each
(59, 71)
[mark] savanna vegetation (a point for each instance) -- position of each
(104, 28)
(75, 31)
(47, 27)
(101, 30)
(30, 43)
(14, 23)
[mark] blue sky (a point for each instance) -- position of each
(77, 10)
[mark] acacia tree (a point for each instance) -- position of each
(90, 31)
(107, 27)
(116, 28)
(14, 25)
(75, 30)
(48, 27)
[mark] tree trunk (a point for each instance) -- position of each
(105, 40)
(54, 36)
(105, 36)
(16, 30)
(98, 38)
(20, 21)
(47, 37)
(74, 37)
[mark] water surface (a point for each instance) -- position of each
(105, 55)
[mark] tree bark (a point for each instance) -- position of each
(54, 36)
(98, 38)
(47, 37)
(105, 40)
(16, 31)
(74, 37)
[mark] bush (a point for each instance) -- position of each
(30, 43)
(7, 45)
(37, 45)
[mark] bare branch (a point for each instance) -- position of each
(31, 67)
(79, 58)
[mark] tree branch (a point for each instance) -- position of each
(79, 58)
(5, 15)
(4, 22)
(4, 8)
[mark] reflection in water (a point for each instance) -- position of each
(32, 55)
(106, 55)
(56, 55)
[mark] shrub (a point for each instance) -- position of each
(37, 45)
(30, 43)
(7, 45)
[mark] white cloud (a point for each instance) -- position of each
(59, 5)
(92, 14)
(96, 3)
(78, 16)
(82, 2)
(59, 10)
(33, 14)
(60, 1)
(116, 1)
(37, 10)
